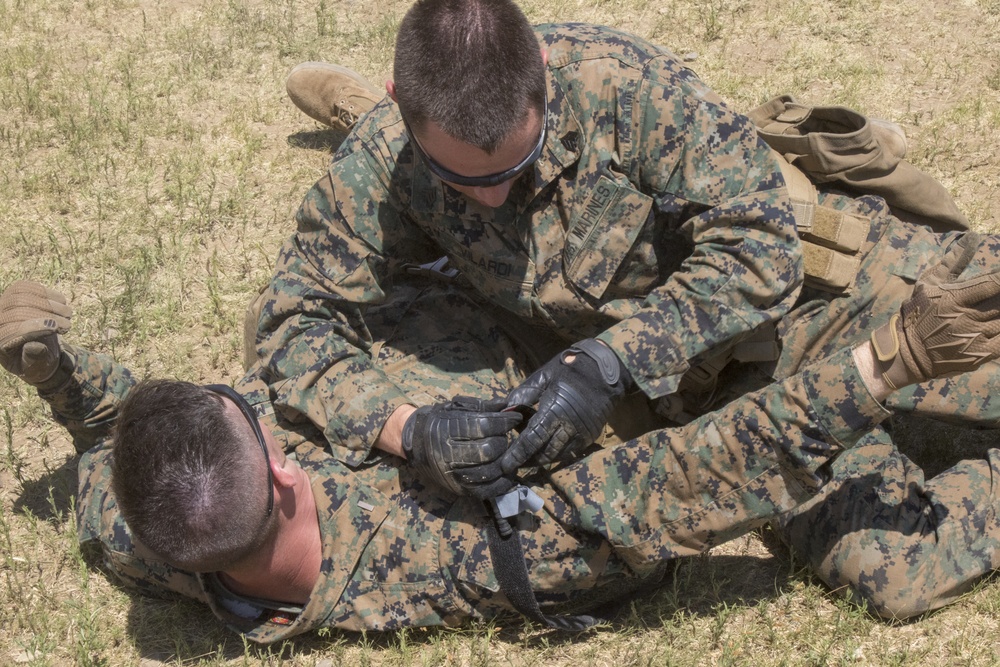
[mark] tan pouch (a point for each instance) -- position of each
(835, 144)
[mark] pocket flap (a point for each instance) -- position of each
(602, 234)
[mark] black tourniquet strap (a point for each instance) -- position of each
(512, 574)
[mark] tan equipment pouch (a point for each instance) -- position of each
(835, 144)
(829, 144)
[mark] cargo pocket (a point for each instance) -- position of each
(393, 564)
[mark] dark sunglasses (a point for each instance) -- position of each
(248, 412)
(489, 180)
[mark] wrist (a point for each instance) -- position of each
(891, 356)
(62, 373)
(869, 368)
(611, 369)
(390, 439)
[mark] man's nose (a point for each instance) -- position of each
(492, 196)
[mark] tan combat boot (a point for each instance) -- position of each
(331, 94)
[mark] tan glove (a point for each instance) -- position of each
(945, 328)
(31, 316)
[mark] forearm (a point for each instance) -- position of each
(745, 268)
(733, 285)
(801, 423)
(805, 421)
(317, 349)
(350, 401)
(86, 399)
(687, 489)
(864, 359)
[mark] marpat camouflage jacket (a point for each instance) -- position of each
(655, 220)
(397, 553)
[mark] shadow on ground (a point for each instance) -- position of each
(694, 586)
(51, 495)
(319, 140)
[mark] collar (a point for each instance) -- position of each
(563, 144)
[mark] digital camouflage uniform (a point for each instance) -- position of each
(654, 220)
(902, 544)
(398, 553)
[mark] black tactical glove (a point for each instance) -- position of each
(31, 317)
(441, 439)
(946, 327)
(575, 399)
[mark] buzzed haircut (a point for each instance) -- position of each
(473, 67)
(190, 480)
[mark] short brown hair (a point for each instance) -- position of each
(189, 481)
(473, 67)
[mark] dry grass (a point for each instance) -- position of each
(151, 164)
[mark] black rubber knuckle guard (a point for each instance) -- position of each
(415, 426)
(607, 361)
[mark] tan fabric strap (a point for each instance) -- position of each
(838, 230)
(831, 237)
(802, 192)
(827, 268)
(760, 345)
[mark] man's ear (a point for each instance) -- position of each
(390, 87)
(281, 470)
(545, 57)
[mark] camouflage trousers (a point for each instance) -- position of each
(879, 531)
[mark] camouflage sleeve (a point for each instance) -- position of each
(312, 333)
(841, 399)
(679, 491)
(811, 416)
(802, 423)
(704, 165)
(86, 400)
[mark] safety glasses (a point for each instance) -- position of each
(251, 416)
(489, 180)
